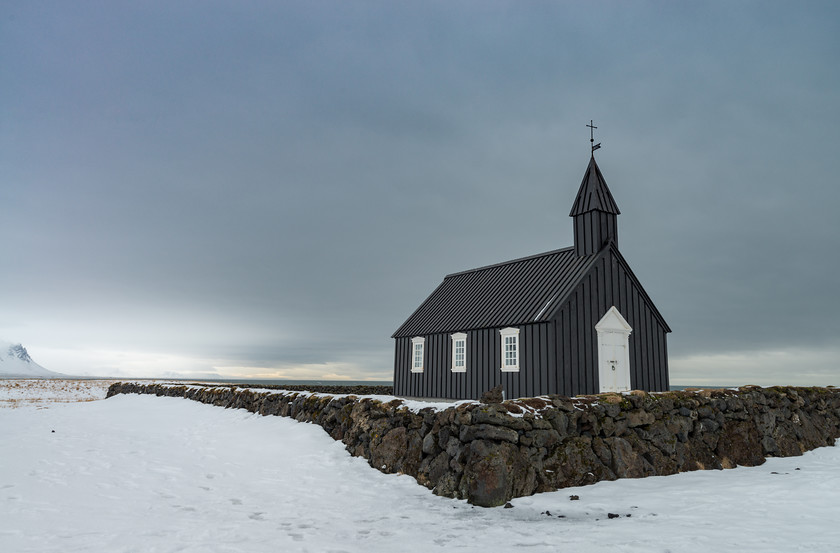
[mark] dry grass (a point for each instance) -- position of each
(43, 393)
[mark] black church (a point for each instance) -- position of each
(571, 321)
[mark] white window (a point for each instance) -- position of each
(510, 349)
(459, 352)
(417, 354)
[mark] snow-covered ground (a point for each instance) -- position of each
(142, 473)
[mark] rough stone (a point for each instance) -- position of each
(480, 452)
(488, 432)
(543, 438)
(491, 415)
(430, 446)
(493, 473)
(438, 467)
(639, 418)
(739, 445)
(493, 395)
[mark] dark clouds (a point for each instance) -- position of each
(281, 184)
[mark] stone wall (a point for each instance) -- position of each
(488, 453)
(345, 389)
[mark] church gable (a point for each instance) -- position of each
(612, 321)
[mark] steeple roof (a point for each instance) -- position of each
(594, 195)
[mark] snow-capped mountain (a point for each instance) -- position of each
(15, 362)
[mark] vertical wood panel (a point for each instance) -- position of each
(490, 353)
(529, 380)
(657, 381)
(486, 363)
(615, 281)
(581, 332)
(647, 347)
(441, 377)
(561, 367)
(566, 342)
(483, 363)
(650, 354)
(469, 381)
(444, 367)
(640, 334)
(546, 349)
(598, 311)
(480, 363)
(574, 345)
(588, 324)
(397, 369)
(444, 375)
(663, 360)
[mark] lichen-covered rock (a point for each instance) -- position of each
(739, 445)
(638, 417)
(626, 462)
(543, 438)
(696, 455)
(495, 472)
(488, 432)
(574, 463)
(498, 416)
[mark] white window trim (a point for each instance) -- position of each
(458, 336)
(418, 340)
(505, 332)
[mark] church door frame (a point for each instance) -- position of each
(613, 352)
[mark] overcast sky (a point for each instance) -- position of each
(271, 188)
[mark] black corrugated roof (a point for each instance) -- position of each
(594, 194)
(516, 292)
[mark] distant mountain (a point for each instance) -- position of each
(15, 362)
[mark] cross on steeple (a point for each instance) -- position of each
(592, 137)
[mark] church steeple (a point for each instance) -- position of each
(594, 212)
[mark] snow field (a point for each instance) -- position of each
(142, 473)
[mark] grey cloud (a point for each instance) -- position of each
(294, 179)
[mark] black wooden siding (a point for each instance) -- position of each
(609, 283)
(594, 229)
(484, 361)
(559, 356)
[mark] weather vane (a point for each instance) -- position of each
(592, 137)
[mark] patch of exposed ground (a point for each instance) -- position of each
(44, 392)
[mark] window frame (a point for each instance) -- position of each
(510, 332)
(418, 341)
(456, 338)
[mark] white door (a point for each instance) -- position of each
(613, 352)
